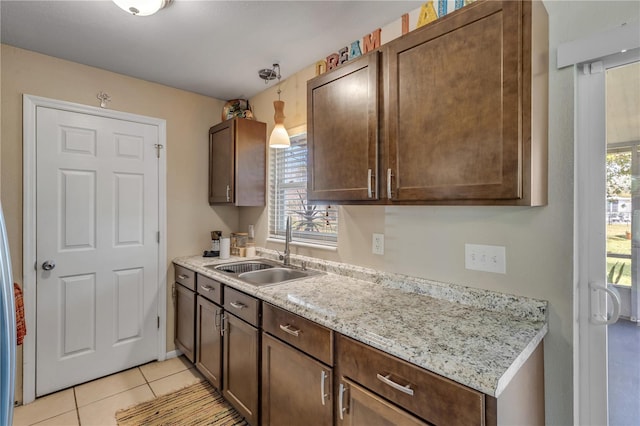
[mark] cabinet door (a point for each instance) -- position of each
(296, 389)
(251, 162)
(209, 341)
(342, 132)
(185, 309)
(357, 406)
(452, 95)
(221, 163)
(240, 381)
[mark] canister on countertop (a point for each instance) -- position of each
(241, 243)
(233, 240)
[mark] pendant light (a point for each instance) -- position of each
(142, 7)
(279, 137)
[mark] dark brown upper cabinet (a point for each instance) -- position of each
(463, 117)
(237, 163)
(342, 132)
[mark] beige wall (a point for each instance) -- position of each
(188, 117)
(428, 241)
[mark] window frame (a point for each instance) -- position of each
(278, 200)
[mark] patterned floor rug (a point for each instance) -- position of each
(195, 405)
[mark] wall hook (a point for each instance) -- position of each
(104, 99)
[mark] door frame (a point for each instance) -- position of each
(29, 105)
(587, 346)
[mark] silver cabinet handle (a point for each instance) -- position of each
(228, 189)
(369, 191)
(341, 407)
(217, 319)
(389, 175)
(387, 381)
(288, 329)
(48, 265)
(222, 327)
(323, 394)
(206, 288)
(183, 277)
(238, 305)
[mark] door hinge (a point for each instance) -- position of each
(158, 237)
(158, 322)
(158, 147)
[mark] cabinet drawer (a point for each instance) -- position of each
(210, 289)
(242, 305)
(186, 277)
(434, 398)
(299, 332)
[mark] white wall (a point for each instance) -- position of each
(428, 241)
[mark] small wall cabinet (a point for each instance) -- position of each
(237, 163)
(463, 117)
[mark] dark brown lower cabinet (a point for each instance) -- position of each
(185, 310)
(209, 341)
(240, 382)
(358, 406)
(296, 389)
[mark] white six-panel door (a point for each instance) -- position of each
(97, 222)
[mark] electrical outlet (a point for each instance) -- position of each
(377, 247)
(485, 258)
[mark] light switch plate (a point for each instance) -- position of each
(485, 258)
(377, 245)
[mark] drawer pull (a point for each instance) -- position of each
(288, 329)
(323, 394)
(206, 288)
(183, 277)
(387, 381)
(238, 305)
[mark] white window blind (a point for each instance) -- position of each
(315, 224)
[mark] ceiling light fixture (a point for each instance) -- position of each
(279, 136)
(142, 7)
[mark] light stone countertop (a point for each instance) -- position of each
(475, 337)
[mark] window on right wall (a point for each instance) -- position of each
(310, 223)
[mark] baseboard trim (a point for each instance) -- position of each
(173, 354)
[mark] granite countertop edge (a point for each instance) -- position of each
(529, 312)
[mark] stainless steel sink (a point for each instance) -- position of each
(262, 272)
(244, 266)
(273, 275)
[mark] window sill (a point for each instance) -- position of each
(306, 245)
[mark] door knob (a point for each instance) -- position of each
(48, 265)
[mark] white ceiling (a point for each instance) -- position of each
(210, 47)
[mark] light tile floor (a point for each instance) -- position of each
(96, 402)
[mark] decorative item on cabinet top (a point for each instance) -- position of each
(237, 108)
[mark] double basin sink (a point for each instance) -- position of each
(262, 272)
